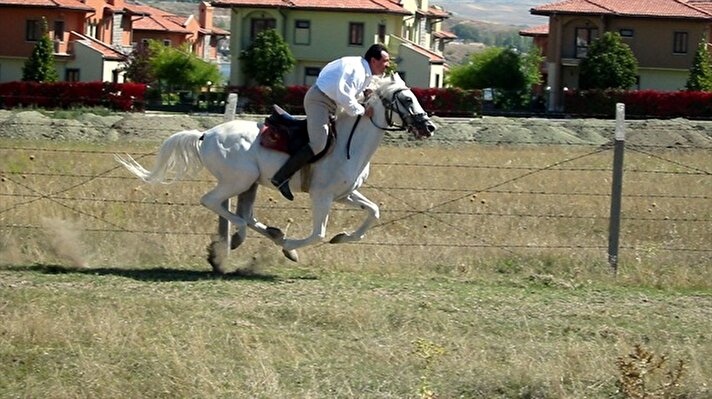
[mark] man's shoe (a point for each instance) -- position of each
(283, 188)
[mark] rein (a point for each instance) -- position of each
(351, 136)
(390, 109)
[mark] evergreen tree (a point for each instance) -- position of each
(268, 58)
(701, 72)
(40, 66)
(610, 64)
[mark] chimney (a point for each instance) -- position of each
(206, 16)
(116, 3)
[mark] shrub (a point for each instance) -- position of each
(640, 103)
(116, 96)
(441, 102)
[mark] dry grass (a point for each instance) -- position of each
(512, 287)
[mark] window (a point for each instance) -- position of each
(33, 30)
(71, 75)
(302, 32)
(259, 25)
(59, 31)
(310, 75)
(356, 34)
(679, 43)
(584, 37)
(166, 42)
(382, 33)
(626, 32)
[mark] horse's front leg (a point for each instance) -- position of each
(357, 199)
(321, 205)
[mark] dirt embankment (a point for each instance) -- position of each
(138, 126)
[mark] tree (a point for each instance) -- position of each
(137, 68)
(40, 66)
(502, 69)
(178, 68)
(268, 58)
(700, 78)
(610, 64)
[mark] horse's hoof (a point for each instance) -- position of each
(339, 238)
(291, 255)
(275, 233)
(236, 240)
(216, 256)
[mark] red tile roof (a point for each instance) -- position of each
(154, 19)
(436, 12)
(444, 35)
(629, 8)
(434, 57)
(106, 51)
(383, 6)
(540, 30)
(703, 4)
(58, 4)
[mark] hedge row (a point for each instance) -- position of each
(116, 96)
(640, 103)
(440, 102)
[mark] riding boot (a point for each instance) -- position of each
(293, 164)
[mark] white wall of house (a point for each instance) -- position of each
(419, 72)
(92, 65)
(326, 39)
(11, 69)
(663, 79)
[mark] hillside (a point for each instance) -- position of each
(504, 12)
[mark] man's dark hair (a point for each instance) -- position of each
(375, 51)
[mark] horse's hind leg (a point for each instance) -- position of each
(215, 201)
(245, 210)
(357, 199)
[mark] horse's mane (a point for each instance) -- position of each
(384, 86)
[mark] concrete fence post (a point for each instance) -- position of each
(616, 189)
(224, 224)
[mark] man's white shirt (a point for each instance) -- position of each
(343, 80)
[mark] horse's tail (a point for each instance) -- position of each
(178, 156)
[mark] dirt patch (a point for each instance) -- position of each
(491, 130)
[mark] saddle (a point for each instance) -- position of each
(285, 133)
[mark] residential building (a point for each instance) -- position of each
(319, 31)
(92, 38)
(662, 34)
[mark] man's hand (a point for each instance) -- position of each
(368, 112)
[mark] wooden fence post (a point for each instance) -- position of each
(224, 224)
(616, 189)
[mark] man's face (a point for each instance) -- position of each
(379, 66)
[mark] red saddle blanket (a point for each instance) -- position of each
(274, 139)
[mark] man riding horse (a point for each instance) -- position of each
(340, 83)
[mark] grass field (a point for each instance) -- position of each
(486, 278)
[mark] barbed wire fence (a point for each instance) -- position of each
(26, 187)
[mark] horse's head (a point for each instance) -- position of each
(402, 109)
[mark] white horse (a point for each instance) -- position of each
(232, 153)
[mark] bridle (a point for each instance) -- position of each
(391, 108)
